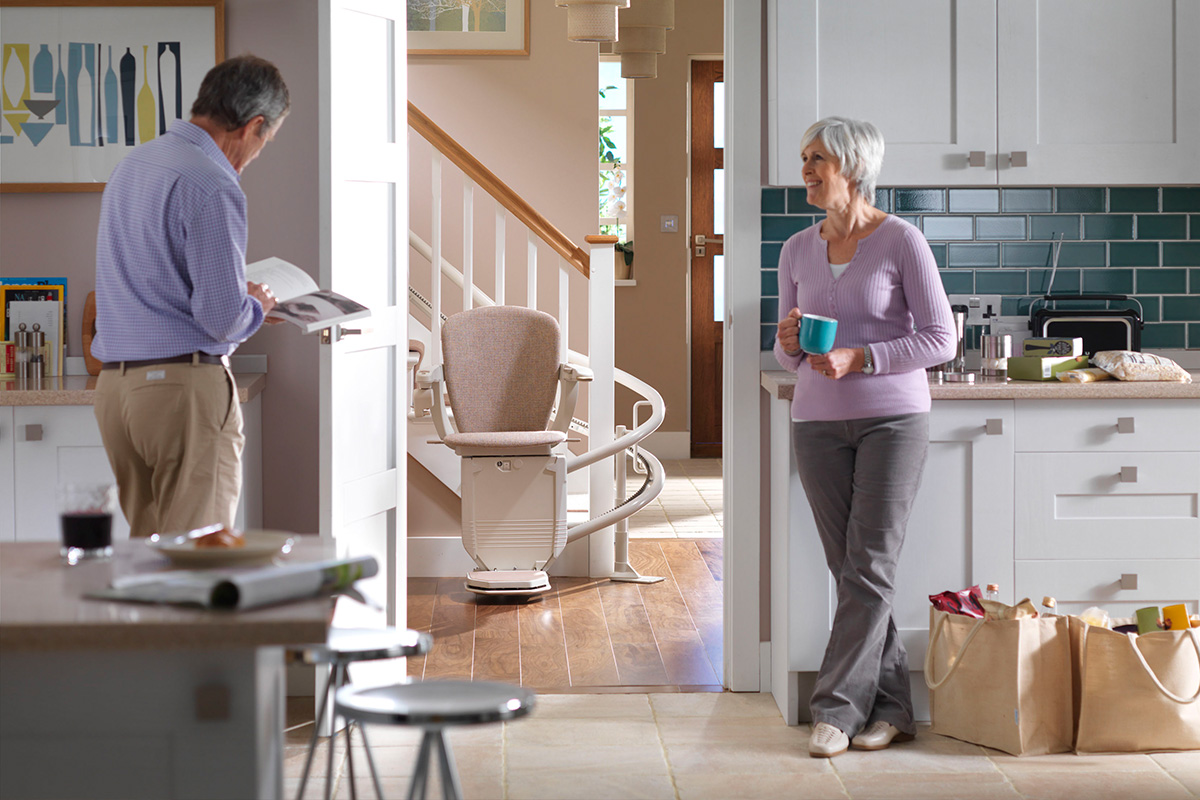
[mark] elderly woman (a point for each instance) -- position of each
(860, 419)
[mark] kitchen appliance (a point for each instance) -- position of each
(996, 350)
(955, 370)
(1101, 328)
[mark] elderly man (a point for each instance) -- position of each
(173, 302)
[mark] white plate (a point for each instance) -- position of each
(261, 546)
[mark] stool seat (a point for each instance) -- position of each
(347, 645)
(435, 703)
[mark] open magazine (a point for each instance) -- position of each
(241, 589)
(298, 298)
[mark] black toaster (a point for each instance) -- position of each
(1101, 328)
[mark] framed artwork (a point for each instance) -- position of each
(468, 27)
(85, 81)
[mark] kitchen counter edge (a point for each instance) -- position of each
(80, 390)
(781, 385)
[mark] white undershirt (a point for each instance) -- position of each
(838, 269)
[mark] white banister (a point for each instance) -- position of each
(564, 306)
(500, 226)
(435, 279)
(601, 395)
(531, 271)
(468, 242)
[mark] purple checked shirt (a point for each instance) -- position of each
(171, 253)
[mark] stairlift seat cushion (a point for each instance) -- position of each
(504, 441)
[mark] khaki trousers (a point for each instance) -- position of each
(173, 434)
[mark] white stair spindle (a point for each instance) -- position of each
(564, 305)
(435, 280)
(500, 226)
(531, 273)
(468, 241)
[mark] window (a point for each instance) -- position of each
(616, 151)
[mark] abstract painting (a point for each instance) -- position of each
(83, 85)
(468, 27)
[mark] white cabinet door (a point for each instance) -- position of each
(55, 445)
(1099, 91)
(959, 533)
(923, 71)
(8, 513)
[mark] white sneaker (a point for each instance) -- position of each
(827, 741)
(879, 735)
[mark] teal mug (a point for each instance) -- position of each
(817, 333)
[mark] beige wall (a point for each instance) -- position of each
(532, 121)
(55, 234)
(652, 335)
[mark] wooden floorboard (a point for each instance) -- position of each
(585, 634)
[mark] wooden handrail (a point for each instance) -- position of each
(505, 196)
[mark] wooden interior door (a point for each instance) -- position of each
(707, 256)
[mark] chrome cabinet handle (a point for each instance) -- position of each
(1124, 424)
(1019, 158)
(1129, 581)
(976, 158)
(33, 433)
(994, 427)
(1128, 474)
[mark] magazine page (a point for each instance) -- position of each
(241, 589)
(316, 310)
(286, 280)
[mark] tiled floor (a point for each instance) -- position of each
(721, 747)
(690, 506)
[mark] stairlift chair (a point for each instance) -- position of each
(501, 369)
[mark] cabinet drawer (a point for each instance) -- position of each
(1119, 425)
(1078, 585)
(1107, 505)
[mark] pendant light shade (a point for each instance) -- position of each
(592, 20)
(642, 36)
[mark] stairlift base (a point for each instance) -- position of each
(508, 582)
(627, 574)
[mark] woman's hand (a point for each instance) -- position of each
(789, 333)
(837, 363)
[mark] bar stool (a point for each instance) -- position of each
(343, 647)
(434, 706)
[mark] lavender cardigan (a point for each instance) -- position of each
(891, 299)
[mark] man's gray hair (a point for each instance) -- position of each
(239, 89)
(858, 147)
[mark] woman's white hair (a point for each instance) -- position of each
(858, 147)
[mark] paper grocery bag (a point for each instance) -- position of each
(1004, 684)
(1137, 693)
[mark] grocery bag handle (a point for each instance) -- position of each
(937, 632)
(1132, 638)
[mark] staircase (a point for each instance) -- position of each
(579, 283)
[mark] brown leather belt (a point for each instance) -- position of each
(204, 358)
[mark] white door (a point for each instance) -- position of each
(923, 71)
(1099, 91)
(364, 214)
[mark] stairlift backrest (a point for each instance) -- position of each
(501, 368)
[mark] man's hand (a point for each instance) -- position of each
(262, 293)
(789, 333)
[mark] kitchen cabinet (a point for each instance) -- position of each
(43, 446)
(959, 533)
(8, 512)
(1069, 92)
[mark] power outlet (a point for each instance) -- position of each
(981, 308)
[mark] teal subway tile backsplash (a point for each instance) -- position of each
(1133, 240)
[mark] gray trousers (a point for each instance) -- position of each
(861, 477)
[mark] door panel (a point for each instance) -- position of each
(707, 317)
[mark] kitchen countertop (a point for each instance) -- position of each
(42, 608)
(80, 390)
(781, 383)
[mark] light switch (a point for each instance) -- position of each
(668, 223)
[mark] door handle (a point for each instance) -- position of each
(976, 158)
(328, 338)
(1129, 581)
(1019, 158)
(1124, 424)
(994, 427)
(33, 433)
(702, 240)
(1128, 474)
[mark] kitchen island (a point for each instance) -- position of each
(106, 699)
(1089, 493)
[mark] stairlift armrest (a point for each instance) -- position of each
(569, 377)
(434, 381)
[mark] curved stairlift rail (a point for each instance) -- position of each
(530, 217)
